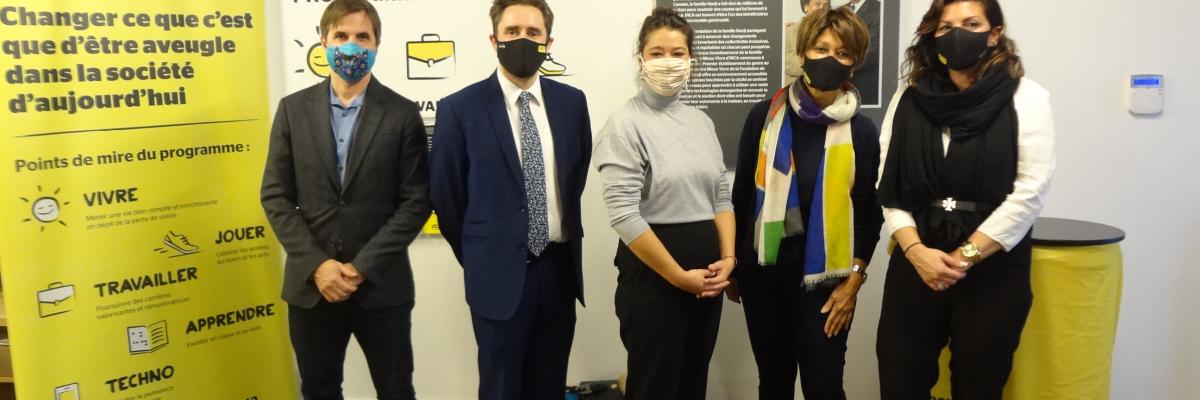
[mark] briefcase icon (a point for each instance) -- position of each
(56, 299)
(431, 58)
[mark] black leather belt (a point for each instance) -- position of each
(951, 204)
(552, 247)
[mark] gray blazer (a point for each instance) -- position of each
(371, 219)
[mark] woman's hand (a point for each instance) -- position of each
(938, 269)
(693, 281)
(840, 305)
(961, 262)
(720, 274)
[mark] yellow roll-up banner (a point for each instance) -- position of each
(135, 258)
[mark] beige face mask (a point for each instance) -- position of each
(666, 76)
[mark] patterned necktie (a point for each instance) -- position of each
(535, 178)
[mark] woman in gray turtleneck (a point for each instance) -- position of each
(668, 200)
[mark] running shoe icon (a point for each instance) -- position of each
(177, 243)
(550, 67)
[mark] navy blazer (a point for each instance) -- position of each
(478, 191)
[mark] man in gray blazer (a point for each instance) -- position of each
(346, 190)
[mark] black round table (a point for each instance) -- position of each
(1049, 231)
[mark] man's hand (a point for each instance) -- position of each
(350, 274)
(333, 285)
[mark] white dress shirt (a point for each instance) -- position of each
(537, 107)
(1035, 166)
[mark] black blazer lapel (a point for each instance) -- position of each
(369, 119)
(321, 130)
(498, 113)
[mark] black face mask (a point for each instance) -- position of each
(521, 57)
(961, 49)
(825, 74)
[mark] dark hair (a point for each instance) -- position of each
(849, 28)
(341, 8)
(921, 58)
(804, 5)
(665, 18)
(498, 7)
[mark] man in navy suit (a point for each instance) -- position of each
(507, 170)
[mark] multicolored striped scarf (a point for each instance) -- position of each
(830, 231)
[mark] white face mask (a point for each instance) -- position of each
(666, 76)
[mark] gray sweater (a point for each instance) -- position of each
(661, 163)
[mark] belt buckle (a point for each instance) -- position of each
(949, 204)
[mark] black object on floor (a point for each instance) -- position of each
(595, 390)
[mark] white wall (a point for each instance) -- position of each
(1134, 173)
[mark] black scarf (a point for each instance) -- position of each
(979, 166)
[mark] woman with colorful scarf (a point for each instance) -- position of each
(969, 149)
(808, 219)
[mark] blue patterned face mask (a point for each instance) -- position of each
(350, 61)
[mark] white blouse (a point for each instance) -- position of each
(1035, 166)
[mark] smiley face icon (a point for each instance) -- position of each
(317, 63)
(45, 209)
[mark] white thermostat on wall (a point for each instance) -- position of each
(1146, 94)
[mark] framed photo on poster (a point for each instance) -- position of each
(744, 54)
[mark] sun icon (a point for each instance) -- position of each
(314, 58)
(45, 209)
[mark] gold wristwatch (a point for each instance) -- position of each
(971, 252)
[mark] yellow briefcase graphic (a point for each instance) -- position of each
(57, 299)
(431, 58)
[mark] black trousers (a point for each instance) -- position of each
(981, 317)
(668, 333)
(320, 335)
(787, 333)
(525, 357)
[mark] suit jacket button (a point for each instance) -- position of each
(523, 210)
(341, 203)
